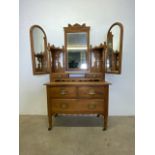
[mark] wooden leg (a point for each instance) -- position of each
(50, 122)
(105, 119)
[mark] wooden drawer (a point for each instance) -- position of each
(91, 92)
(93, 105)
(59, 75)
(77, 106)
(94, 75)
(63, 105)
(63, 92)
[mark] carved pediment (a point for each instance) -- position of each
(77, 25)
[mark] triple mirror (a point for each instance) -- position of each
(76, 52)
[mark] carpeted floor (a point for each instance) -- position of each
(76, 135)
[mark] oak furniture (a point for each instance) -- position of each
(77, 98)
(76, 70)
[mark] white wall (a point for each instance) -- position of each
(53, 15)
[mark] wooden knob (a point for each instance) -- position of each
(64, 105)
(92, 106)
(92, 92)
(63, 92)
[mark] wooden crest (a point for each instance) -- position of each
(77, 27)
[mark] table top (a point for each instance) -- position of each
(78, 83)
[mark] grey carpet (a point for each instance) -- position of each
(76, 135)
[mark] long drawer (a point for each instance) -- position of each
(63, 92)
(91, 92)
(77, 105)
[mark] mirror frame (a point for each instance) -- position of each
(75, 29)
(120, 47)
(46, 70)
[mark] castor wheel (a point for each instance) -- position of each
(56, 115)
(104, 129)
(49, 129)
(98, 115)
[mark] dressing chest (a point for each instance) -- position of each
(77, 98)
(76, 70)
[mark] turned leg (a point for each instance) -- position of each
(50, 122)
(105, 124)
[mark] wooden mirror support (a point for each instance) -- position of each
(38, 41)
(113, 61)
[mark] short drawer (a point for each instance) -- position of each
(91, 92)
(63, 92)
(94, 75)
(59, 76)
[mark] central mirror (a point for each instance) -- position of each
(77, 47)
(76, 50)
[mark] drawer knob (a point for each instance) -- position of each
(91, 106)
(92, 92)
(63, 92)
(64, 105)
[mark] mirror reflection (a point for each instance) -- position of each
(38, 39)
(38, 46)
(116, 38)
(76, 50)
(114, 49)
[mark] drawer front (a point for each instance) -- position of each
(59, 105)
(63, 92)
(91, 92)
(92, 105)
(59, 76)
(77, 106)
(94, 75)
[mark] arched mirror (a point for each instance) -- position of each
(77, 47)
(38, 42)
(114, 49)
